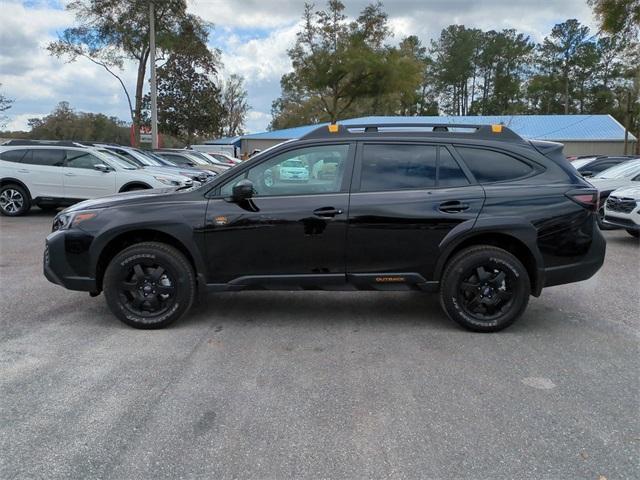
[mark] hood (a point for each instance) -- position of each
(629, 192)
(137, 196)
(608, 184)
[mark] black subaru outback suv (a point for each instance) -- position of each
(475, 213)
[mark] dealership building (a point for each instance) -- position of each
(581, 134)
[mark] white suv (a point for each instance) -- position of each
(623, 210)
(63, 173)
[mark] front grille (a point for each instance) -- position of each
(621, 204)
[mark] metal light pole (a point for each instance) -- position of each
(152, 60)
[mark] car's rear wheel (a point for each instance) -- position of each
(149, 285)
(14, 200)
(484, 288)
(634, 233)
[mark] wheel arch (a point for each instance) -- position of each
(505, 240)
(135, 183)
(10, 181)
(133, 237)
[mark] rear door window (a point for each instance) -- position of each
(449, 172)
(13, 155)
(78, 159)
(491, 166)
(398, 167)
(47, 157)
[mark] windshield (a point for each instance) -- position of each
(119, 160)
(148, 159)
(626, 169)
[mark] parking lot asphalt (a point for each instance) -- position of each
(317, 384)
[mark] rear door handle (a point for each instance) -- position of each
(453, 206)
(327, 211)
(69, 174)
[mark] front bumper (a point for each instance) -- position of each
(66, 260)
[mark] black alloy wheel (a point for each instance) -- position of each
(486, 292)
(484, 288)
(149, 285)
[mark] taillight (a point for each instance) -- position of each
(586, 198)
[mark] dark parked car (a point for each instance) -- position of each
(592, 166)
(477, 213)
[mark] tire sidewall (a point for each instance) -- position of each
(450, 295)
(172, 261)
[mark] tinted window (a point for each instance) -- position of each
(177, 159)
(47, 157)
(491, 166)
(449, 172)
(13, 155)
(398, 167)
(600, 167)
(304, 171)
(76, 159)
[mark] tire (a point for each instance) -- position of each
(634, 233)
(484, 288)
(14, 200)
(133, 284)
(600, 220)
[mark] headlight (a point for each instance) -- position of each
(168, 181)
(64, 221)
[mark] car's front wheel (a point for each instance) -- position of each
(149, 285)
(484, 288)
(14, 200)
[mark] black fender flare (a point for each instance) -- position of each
(515, 228)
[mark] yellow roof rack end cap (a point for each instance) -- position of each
(333, 128)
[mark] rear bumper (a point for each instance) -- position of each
(62, 270)
(582, 270)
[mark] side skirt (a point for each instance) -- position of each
(329, 282)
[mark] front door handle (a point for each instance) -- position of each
(327, 211)
(22, 170)
(453, 206)
(69, 174)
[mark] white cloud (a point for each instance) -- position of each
(254, 36)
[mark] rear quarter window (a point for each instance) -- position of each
(492, 166)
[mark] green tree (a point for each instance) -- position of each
(338, 64)
(5, 104)
(562, 52)
(189, 101)
(234, 106)
(110, 32)
(618, 16)
(66, 124)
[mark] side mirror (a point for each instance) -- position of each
(587, 173)
(242, 190)
(101, 167)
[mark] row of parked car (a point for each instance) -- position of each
(54, 174)
(617, 179)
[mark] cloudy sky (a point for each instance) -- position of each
(253, 36)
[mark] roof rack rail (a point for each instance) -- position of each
(454, 130)
(53, 143)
